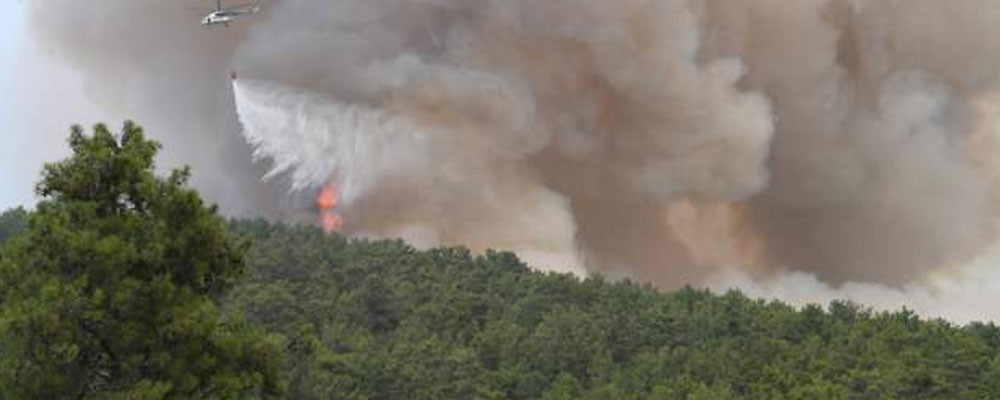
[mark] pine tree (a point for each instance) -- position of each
(12, 223)
(112, 290)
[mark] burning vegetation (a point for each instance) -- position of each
(326, 204)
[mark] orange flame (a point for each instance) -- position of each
(332, 222)
(327, 200)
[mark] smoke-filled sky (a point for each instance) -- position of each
(10, 17)
(805, 149)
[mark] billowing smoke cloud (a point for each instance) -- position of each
(673, 141)
(149, 61)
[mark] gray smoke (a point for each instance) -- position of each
(151, 61)
(666, 140)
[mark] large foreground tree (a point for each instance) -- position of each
(112, 290)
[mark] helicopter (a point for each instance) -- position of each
(224, 15)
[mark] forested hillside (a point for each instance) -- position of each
(380, 320)
(125, 285)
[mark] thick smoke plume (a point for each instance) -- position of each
(672, 141)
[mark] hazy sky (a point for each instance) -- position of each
(10, 17)
(34, 84)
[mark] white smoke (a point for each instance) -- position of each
(845, 146)
(481, 109)
(959, 296)
(315, 139)
(436, 198)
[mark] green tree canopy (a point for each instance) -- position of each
(12, 223)
(111, 290)
(381, 320)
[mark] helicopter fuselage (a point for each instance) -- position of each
(226, 16)
(219, 18)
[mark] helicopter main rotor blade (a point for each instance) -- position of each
(241, 6)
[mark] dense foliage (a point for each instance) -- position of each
(380, 320)
(12, 223)
(124, 285)
(111, 289)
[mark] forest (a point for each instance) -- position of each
(123, 284)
